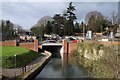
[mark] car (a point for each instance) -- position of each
(49, 41)
(70, 39)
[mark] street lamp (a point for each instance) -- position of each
(83, 30)
(15, 64)
(15, 60)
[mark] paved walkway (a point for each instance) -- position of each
(11, 73)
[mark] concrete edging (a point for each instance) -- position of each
(34, 72)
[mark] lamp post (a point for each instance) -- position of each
(83, 30)
(15, 64)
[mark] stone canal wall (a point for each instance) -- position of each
(39, 66)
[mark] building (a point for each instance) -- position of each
(3, 37)
(117, 35)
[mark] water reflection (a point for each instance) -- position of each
(58, 68)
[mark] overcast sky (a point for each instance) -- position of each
(27, 14)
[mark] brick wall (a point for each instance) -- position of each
(64, 46)
(27, 45)
(8, 43)
(115, 43)
(68, 47)
(36, 45)
(72, 47)
(67, 58)
(32, 46)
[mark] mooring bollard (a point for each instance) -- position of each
(23, 70)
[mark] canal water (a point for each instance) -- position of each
(56, 69)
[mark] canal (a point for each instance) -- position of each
(55, 68)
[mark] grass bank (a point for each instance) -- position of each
(17, 56)
(101, 61)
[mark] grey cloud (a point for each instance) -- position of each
(28, 13)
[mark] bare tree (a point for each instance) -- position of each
(114, 18)
(44, 20)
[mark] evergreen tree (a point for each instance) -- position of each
(7, 28)
(58, 24)
(76, 27)
(70, 15)
(48, 28)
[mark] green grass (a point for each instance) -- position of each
(23, 56)
(0, 56)
(8, 51)
(0, 51)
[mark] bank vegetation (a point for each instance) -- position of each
(101, 61)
